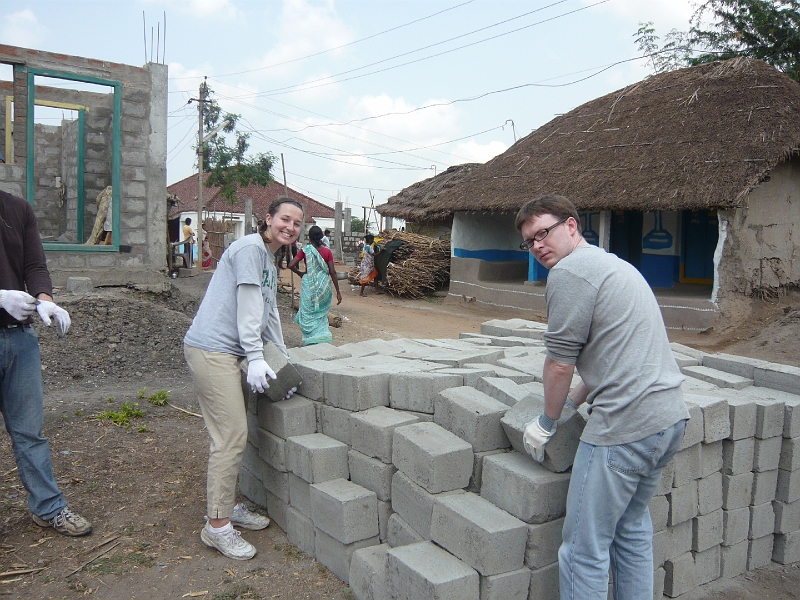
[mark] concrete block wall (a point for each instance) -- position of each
(393, 468)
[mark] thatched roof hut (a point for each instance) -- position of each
(695, 138)
(417, 202)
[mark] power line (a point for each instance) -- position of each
(355, 187)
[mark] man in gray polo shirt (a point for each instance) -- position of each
(604, 321)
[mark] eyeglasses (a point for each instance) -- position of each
(528, 244)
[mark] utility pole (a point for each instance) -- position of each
(201, 98)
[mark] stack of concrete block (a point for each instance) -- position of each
(399, 465)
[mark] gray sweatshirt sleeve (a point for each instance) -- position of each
(273, 331)
(249, 312)
(570, 306)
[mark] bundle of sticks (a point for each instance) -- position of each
(418, 267)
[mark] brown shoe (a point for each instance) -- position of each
(66, 523)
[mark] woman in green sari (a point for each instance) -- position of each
(315, 295)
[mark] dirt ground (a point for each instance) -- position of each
(143, 485)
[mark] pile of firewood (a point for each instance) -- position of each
(418, 267)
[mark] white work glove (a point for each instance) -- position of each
(49, 312)
(535, 437)
(257, 371)
(18, 304)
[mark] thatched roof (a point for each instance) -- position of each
(694, 138)
(416, 202)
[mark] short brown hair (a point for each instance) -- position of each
(550, 204)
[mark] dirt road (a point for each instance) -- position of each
(143, 485)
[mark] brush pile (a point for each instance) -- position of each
(418, 267)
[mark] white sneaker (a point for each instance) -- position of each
(245, 519)
(228, 542)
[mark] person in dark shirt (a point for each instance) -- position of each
(23, 267)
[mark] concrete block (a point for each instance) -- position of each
(272, 449)
(336, 556)
(288, 418)
(710, 458)
(432, 457)
(708, 565)
(544, 583)
(79, 285)
(737, 456)
(762, 521)
(769, 418)
(417, 391)
(672, 542)
(685, 361)
(688, 351)
(300, 495)
(707, 531)
(287, 376)
(414, 504)
(730, 363)
(276, 482)
(469, 377)
(501, 371)
(787, 516)
(502, 390)
(759, 552)
(524, 488)
(384, 513)
(791, 417)
(687, 466)
(737, 490)
(683, 503)
(695, 429)
(300, 531)
(743, 417)
(733, 560)
(356, 390)
(658, 583)
(788, 486)
(252, 488)
(485, 537)
(790, 453)
(334, 422)
(736, 525)
(786, 549)
(767, 454)
(779, 377)
(368, 573)
(659, 512)
(250, 459)
(477, 469)
(680, 575)
(424, 571)
(400, 533)
(544, 540)
(317, 457)
(667, 477)
(312, 374)
(276, 509)
(765, 485)
(252, 428)
(344, 510)
(709, 494)
(512, 585)
(371, 431)
(317, 352)
(718, 378)
(371, 473)
(473, 416)
(716, 416)
(560, 450)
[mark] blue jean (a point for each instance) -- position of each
(22, 407)
(608, 518)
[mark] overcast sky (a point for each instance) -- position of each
(361, 95)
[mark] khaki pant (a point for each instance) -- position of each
(218, 382)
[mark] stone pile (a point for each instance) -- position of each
(399, 466)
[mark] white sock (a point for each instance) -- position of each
(222, 529)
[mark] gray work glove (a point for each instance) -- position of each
(535, 437)
(18, 304)
(49, 312)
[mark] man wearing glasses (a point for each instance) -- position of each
(603, 319)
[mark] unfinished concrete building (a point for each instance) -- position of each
(71, 127)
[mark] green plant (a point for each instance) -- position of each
(142, 393)
(79, 412)
(110, 399)
(123, 416)
(159, 398)
(143, 429)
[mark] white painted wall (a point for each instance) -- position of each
(485, 231)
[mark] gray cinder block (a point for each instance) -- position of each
(424, 571)
(790, 453)
(252, 488)
(524, 488)
(371, 473)
(708, 565)
(356, 389)
(687, 465)
(767, 454)
(667, 477)
(344, 510)
(791, 417)
(384, 513)
(560, 450)
(300, 531)
(787, 516)
(737, 456)
(286, 375)
(79, 285)
(400, 533)
(788, 486)
(504, 372)
(762, 521)
(737, 490)
(765, 485)
(503, 390)
(711, 458)
(544, 583)
(317, 457)
(276, 509)
(681, 575)
(718, 378)
(731, 363)
(334, 422)
(695, 428)
(709, 494)
(477, 469)
(683, 503)
(414, 504)
(769, 418)
(759, 552)
(473, 416)
(707, 531)
(317, 352)
(733, 560)
(300, 495)
(417, 391)
(506, 586)
(432, 457)
(485, 537)
(312, 374)
(368, 573)
(336, 556)
(659, 512)
(272, 449)
(778, 377)
(251, 460)
(743, 418)
(544, 540)
(735, 525)
(288, 418)
(371, 431)
(672, 542)
(276, 482)
(786, 549)
(716, 415)
(658, 583)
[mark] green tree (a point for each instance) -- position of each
(674, 54)
(229, 165)
(357, 225)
